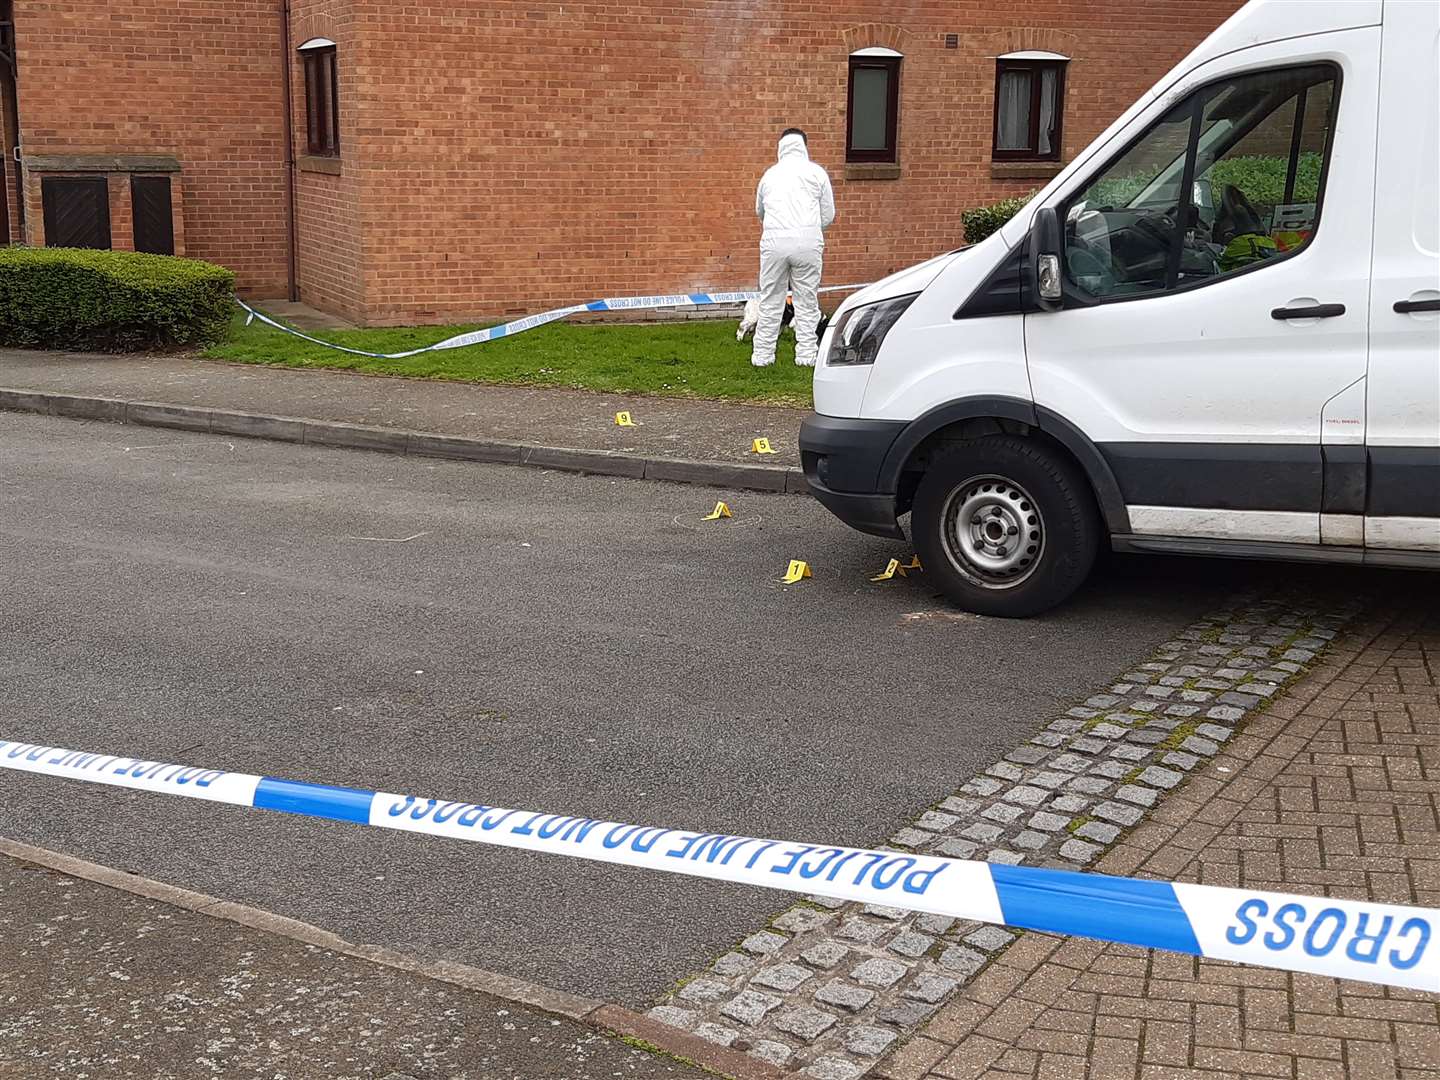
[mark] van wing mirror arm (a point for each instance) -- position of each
(1045, 245)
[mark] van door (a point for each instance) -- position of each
(1404, 381)
(1216, 290)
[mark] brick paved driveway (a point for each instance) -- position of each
(1334, 790)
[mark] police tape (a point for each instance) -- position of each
(1390, 944)
(530, 322)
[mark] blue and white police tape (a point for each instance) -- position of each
(1352, 939)
(530, 322)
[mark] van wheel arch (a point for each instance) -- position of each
(974, 418)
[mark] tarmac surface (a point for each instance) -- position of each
(525, 638)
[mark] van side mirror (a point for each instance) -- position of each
(1045, 242)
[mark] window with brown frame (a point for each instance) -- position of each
(1029, 109)
(873, 109)
(322, 108)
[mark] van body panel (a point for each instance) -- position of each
(925, 363)
(1211, 400)
(1097, 468)
(1403, 387)
(1401, 533)
(1219, 476)
(981, 364)
(1342, 418)
(1342, 530)
(1278, 527)
(1344, 464)
(839, 390)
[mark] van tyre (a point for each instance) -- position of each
(1005, 526)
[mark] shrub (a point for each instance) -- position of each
(984, 220)
(1262, 179)
(113, 301)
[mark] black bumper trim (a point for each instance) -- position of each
(873, 514)
(842, 458)
(845, 454)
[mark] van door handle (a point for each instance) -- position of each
(1314, 311)
(1405, 307)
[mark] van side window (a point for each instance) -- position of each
(1227, 180)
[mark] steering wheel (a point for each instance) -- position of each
(1159, 226)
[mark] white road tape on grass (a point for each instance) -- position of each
(530, 322)
(1380, 943)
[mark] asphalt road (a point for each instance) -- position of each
(546, 641)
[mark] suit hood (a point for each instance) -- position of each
(792, 146)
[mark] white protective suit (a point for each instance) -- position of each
(796, 204)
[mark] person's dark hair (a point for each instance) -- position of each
(796, 131)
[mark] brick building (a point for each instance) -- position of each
(482, 157)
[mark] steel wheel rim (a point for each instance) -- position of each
(993, 532)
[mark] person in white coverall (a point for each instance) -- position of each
(795, 204)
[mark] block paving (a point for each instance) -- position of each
(831, 987)
(1334, 791)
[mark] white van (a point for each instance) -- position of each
(1217, 331)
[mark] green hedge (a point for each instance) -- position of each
(112, 301)
(984, 220)
(1262, 179)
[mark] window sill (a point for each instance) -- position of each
(872, 170)
(315, 164)
(1025, 170)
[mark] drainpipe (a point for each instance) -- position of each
(291, 243)
(11, 59)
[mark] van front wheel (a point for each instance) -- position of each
(1005, 527)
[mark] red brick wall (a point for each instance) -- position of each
(519, 155)
(499, 156)
(198, 81)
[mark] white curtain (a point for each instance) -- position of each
(1049, 79)
(1014, 125)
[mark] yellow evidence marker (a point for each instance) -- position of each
(623, 419)
(799, 569)
(914, 563)
(892, 569)
(721, 510)
(762, 446)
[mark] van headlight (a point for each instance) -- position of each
(856, 336)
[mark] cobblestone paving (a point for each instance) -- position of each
(1335, 791)
(829, 987)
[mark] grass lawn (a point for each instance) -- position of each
(698, 359)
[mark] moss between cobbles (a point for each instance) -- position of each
(807, 904)
(1180, 733)
(660, 1052)
(685, 980)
